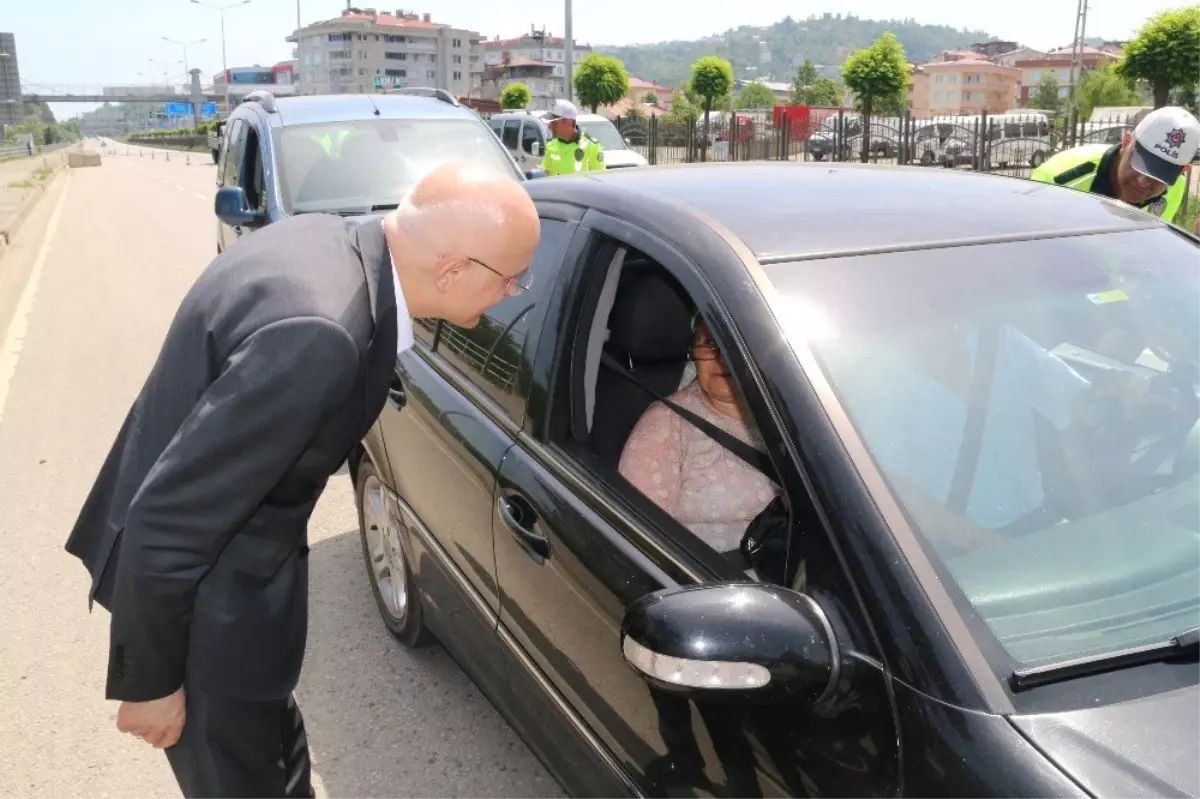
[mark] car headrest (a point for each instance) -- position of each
(650, 321)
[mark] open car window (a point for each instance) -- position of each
(1034, 408)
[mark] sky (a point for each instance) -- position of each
(89, 43)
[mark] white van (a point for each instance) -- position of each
(945, 140)
(525, 134)
(1018, 139)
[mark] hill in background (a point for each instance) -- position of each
(774, 51)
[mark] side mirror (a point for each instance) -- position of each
(745, 641)
(534, 174)
(233, 208)
(535, 148)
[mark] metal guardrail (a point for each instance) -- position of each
(8, 151)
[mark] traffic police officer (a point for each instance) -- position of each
(1145, 170)
(571, 150)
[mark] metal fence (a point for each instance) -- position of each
(1010, 143)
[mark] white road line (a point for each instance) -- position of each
(199, 196)
(14, 337)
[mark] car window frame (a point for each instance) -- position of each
(253, 167)
(535, 126)
(231, 155)
(649, 527)
(431, 334)
(516, 145)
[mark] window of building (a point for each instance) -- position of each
(390, 56)
(431, 74)
(1035, 76)
(339, 55)
(340, 37)
(391, 39)
(951, 95)
(954, 79)
(362, 71)
(973, 79)
(457, 76)
(457, 59)
(968, 96)
(939, 95)
(456, 42)
(396, 73)
(939, 78)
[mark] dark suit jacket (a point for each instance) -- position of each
(277, 363)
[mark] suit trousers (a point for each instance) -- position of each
(234, 748)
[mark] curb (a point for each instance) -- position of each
(7, 234)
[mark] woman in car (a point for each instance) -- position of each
(700, 483)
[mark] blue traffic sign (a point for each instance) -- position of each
(178, 109)
(208, 109)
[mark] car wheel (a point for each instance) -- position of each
(216, 154)
(927, 158)
(1037, 159)
(385, 549)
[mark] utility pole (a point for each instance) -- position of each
(569, 46)
(1076, 68)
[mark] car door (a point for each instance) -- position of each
(510, 134)
(571, 557)
(462, 393)
(229, 172)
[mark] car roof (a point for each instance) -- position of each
(783, 211)
(318, 108)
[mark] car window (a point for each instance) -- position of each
(356, 166)
(604, 132)
(252, 169)
(530, 134)
(490, 353)
(512, 128)
(233, 152)
(1034, 408)
(497, 126)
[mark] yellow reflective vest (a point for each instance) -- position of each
(1078, 167)
(584, 154)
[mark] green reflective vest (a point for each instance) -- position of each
(1077, 168)
(585, 154)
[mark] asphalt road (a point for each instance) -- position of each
(87, 290)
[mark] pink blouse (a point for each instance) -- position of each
(701, 484)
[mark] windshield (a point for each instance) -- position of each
(604, 132)
(358, 165)
(1033, 408)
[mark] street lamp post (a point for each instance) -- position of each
(186, 71)
(224, 63)
(569, 46)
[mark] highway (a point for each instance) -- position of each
(87, 289)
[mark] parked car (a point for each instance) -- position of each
(342, 154)
(524, 134)
(981, 410)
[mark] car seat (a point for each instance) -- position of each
(651, 334)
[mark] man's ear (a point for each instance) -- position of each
(446, 272)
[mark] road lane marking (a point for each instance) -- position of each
(199, 196)
(14, 337)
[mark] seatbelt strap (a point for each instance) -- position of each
(747, 454)
(987, 344)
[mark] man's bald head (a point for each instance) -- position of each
(462, 221)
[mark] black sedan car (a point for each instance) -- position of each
(975, 399)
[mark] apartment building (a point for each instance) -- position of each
(243, 80)
(1057, 65)
(962, 87)
(536, 59)
(364, 50)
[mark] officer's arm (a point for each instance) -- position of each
(546, 157)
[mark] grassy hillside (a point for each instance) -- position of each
(826, 40)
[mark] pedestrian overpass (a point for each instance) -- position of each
(76, 93)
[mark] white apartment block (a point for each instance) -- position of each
(536, 59)
(364, 48)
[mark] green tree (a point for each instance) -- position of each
(600, 80)
(802, 83)
(1045, 96)
(1165, 52)
(1104, 87)
(683, 110)
(756, 95)
(878, 76)
(712, 80)
(515, 95)
(650, 98)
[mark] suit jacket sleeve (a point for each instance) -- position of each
(245, 432)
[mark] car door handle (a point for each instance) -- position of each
(397, 395)
(519, 517)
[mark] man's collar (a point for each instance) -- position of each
(404, 323)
